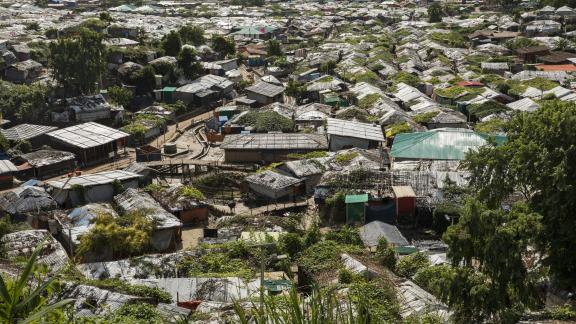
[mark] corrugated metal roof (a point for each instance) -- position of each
(132, 199)
(6, 167)
(438, 144)
(355, 129)
(266, 89)
(275, 141)
(93, 179)
(88, 135)
(272, 180)
(525, 104)
(26, 131)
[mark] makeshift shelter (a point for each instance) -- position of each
(7, 170)
(265, 93)
(405, 200)
(438, 144)
(356, 208)
(91, 142)
(344, 134)
(270, 147)
(95, 187)
(22, 244)
(273, 185)
(33, 134)
(168, 229)
(26, 200)
(43, 164)
(191, 211)
(373, 231)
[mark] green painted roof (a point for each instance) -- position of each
(439, 144)
(169, 89)
(405, 250)
(352, 199)
(277, 285)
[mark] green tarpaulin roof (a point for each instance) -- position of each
(352, 199)
(404, 250)
(439, 144)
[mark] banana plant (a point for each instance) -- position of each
(19, 303)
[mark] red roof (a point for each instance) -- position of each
(470, 84)
(557, 67)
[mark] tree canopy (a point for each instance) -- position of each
(192, 35)
(223, 45)
(538, 161)
(78, 63)
(172, 43)
(188, 63)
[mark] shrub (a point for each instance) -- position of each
(425, 117)
(267, 121)
(291, 244)
(409, 265)
(368, 100)
(190, 192)
(387, 257)
(345, 235)
(345, 276)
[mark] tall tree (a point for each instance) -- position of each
(188, 63)
(192, 35)
(491, 244)
(435, 12)
(539, 161)
(223, 45)
(172, 43)
(78, 64)
(273, 48)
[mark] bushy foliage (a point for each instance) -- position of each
(345, 235)
(122, 236)
(267, 121)
(409, 265)
(291, 244)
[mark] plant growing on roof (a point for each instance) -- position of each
(22, 300)
(190, 192)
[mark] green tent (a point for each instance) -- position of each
(355, 209)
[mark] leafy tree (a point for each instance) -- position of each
(345, 235)
(4, 145)
(126, 235)
(120, 96)
(538, 162)
(188, 63)
(409, 265)
(144, 79)
(192, 35)
(273, 48)
(295, 90)
(489, 247)
(21, 301)
(224, 46)
(78, 64)
(291, 244)
(435, 12)
(172, 43)
(23, 103)
(312, 236)
(562, 44)
(105, 16)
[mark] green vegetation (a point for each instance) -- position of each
(187, 62)
(118, 237)
(191, 192)
(172, 43)
(409, 265)
(492, 126)
(23, 103)
(532, 162)
(479, 111)
(157, 295)
(224, 46)
(425, 118)
(273, 48)
(120, 96)
(458, 91)
(435, 13)
(309, 155)
(78, 63)
(21, 302)
(398, 128)
(368, 100)
(267, 121)
(346, 157)
(405, 77)
(520, 42)
(451, 39)
(193, 35)
(224, 260)
(345, 235)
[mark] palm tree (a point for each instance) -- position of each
(19, 302)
